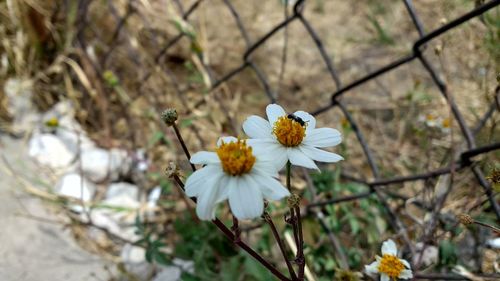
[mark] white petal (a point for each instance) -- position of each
(405, 262)
(320, 155)
(196, 183)
(207, 200)
(271, 188)
(274, 111)
(308, 118)
(224, 184)
(261, 144)
(389, 248)
(205, 157)
(257, 127)
(323, 137)
(384, 277)
(406, 274)
(265, 167)
(245, 199)
(269, 150)
(298, 158)
(372, 268)
(226, 140)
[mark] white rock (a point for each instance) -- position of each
(73, 185)
(101, 219)
(99, 164)
(494, 243)
(114, 222)
(49, 150)
(429, 256)
(69, 130)
(133, 254)
(122, 194)
(185, 265)
(120, 222)
(169, 273)
(142, 162)
(153, 197)
(135, 261)
(19, 105)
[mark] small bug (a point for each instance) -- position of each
(296, 119)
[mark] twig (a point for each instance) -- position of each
(276, 235)
(183, 144)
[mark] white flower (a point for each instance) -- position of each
(291, 137)
(389, 266)
(236, 172)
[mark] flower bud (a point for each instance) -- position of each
(169, 116)
(465, 219)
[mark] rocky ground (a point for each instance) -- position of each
(52, 158)
(34, 246)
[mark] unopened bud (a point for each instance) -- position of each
(346, 275)
(465, 219)
(169, 116)
(293, 200)
(438, 49)
(494, 178)
(172, 170)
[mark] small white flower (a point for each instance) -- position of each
(291, 137)
(389, 266)
(237, 173)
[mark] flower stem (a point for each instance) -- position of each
(221, 226)
(236, 229)
(288, 175)
(296, 225)
(495, 229)
(230, 235)
(300, 246)
(183, 144)
(281, 245)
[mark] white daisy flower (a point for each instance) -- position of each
(236, 172)
(291, 137)
(389, 266)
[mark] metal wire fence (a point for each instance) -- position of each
(463, 160)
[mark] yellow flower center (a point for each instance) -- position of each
(391, 266)
(52, 122)
(446, 123)
(288, 131)
(236, 157)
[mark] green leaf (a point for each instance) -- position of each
(256, 270)
(447, 254)
(155, 138)
(186, 276)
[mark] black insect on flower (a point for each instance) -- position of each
(296, 119)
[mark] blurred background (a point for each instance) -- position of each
(84, 151)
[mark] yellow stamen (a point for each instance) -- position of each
(52, 122)
(391, 266)
(236, 157)
(288, 131)
(446, 123)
